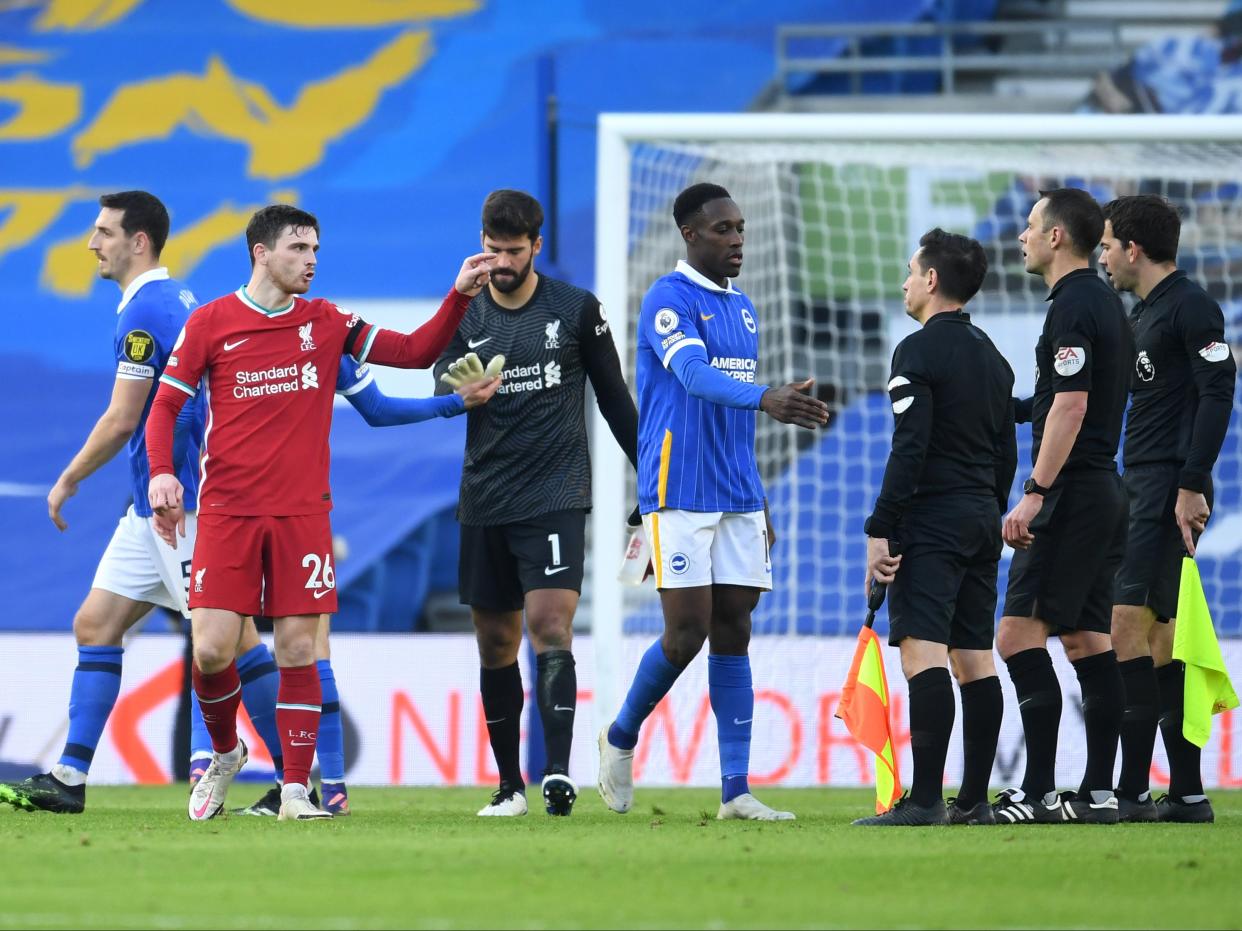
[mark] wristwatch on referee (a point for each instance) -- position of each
(1032, 487)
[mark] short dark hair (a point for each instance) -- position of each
(691, 200)
(1149, 220)
(140, 212)
(1078, 214)
(959, 261)
(269, 222)
(509, 214)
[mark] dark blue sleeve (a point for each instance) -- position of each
(379, 410)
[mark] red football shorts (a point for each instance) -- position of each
(277, 566)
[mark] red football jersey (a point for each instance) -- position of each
(269, 377)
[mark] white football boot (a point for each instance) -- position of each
(207, 796)
(295, 805)
(616, 775)
(505, 803)
(746, 807)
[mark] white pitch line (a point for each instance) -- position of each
(22, 490)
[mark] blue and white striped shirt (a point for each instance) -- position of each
(696, 453)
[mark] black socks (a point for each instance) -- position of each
(931, 723)
(502, 708)
(556, 690)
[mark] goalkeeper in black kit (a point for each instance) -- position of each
(945, 488)
(526, 485)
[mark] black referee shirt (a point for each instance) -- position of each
(526, 448)
(1183, 381)
(953, 427)
(1086, 345)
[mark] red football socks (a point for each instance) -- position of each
(297, 718)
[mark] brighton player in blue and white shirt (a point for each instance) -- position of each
(700, 493)
(137, 570)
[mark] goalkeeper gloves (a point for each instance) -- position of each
(468, 369)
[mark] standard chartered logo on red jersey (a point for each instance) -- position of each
(279, 379)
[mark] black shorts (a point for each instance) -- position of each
(498, 565)
(945, 590)
(1151, 571)
(1066, 577)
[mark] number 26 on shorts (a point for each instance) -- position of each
(322, 578)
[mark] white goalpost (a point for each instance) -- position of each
(834, 206)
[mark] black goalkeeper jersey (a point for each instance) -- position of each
(526, 449)
(1182, 381)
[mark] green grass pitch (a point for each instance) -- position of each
(419, 858)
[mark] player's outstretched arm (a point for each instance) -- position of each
(420, 349)
(381, 410)
(793, 404)
(109, 435)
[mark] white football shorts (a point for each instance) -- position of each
(140, 566)
(694, 548)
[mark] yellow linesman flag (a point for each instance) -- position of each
(864, 708)
(1208, 689)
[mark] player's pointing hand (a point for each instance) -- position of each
(792, 403)
(475, 273)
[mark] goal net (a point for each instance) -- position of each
(834, 207)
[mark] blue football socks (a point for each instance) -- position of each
(259, 681)
(655, 676)
(733, 702)
(96, 685)
(331, 741)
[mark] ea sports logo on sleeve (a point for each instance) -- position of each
(1069, 360)
(678, 563)
(1215, 352)
(665, 320)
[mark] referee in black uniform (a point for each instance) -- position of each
(1069, 529)
(945, 488)
(1182, 395)
(526, 487)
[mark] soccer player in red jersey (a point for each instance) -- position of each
(268, 362)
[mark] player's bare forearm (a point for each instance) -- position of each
(107, 438)
(1060, 431)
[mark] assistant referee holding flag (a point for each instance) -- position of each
(945, 488)
(1182, 396)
